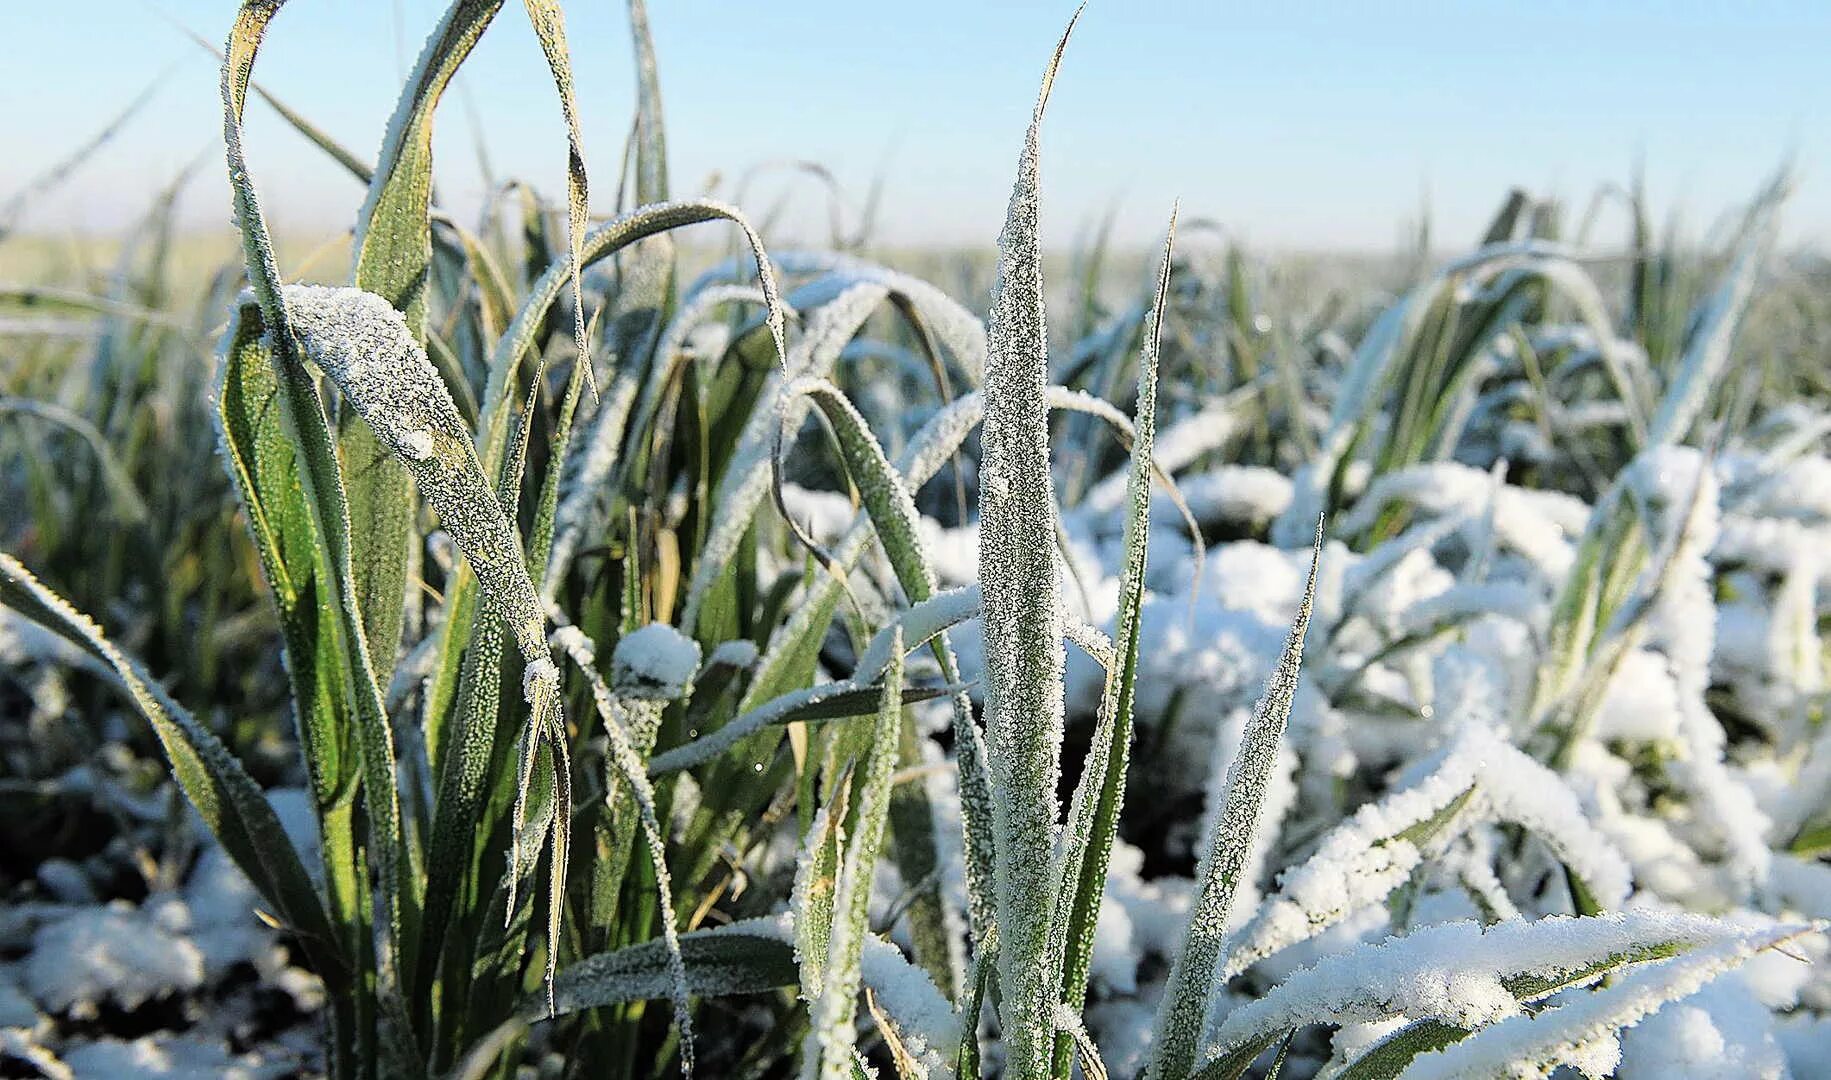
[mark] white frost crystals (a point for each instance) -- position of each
(364, 345)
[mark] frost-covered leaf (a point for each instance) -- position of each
(831, 1042)
(1185, 1002)
(226, 797)
(1461, 975)
(1099, 797)
(1362, 860)
(660, 656)
(1582, 1032)
(364, 345)
(1023, 622)
(745, 957)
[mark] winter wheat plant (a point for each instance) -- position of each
(786, 671)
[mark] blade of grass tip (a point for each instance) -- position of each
(320, 138)
(786, 422)
(811, 900)
(305, 423)
(550, 26)
(1099, 798)
(1069, 1026)
(832, 1040)
(560, 858)
(1023, 620)
(1184, 1010)
(393, 258)
(650, 134)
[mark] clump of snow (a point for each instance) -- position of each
(655, 662)
(167, 1057)
(1720, 1032)
(119, 953)
(16, 1009)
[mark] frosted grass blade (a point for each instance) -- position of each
(549, 23)
(1185, 1001)
(229, 801)
(651, 134)
(1572, 1032)
(832, 1039)
(393, 259)
(747, 957)
(1099, 797)
(1023, 621)
(322, 481)
(626, 760)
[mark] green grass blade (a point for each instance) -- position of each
(322, 481)
(1023, 622)
(816, 881)
(1388, 1057)
(749, 957)
(264, 468)
(834, 1031)
(550, 27)
(229, 801)
(627, 761)
(393, 259)
(1099, 798)
(651, 133)
(840, 700)
(1181, 1016)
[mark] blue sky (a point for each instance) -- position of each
(1318, 125)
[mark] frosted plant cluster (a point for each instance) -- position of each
(1525, 717)
(1429, 684)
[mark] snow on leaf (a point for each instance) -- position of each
(1582, 1031)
